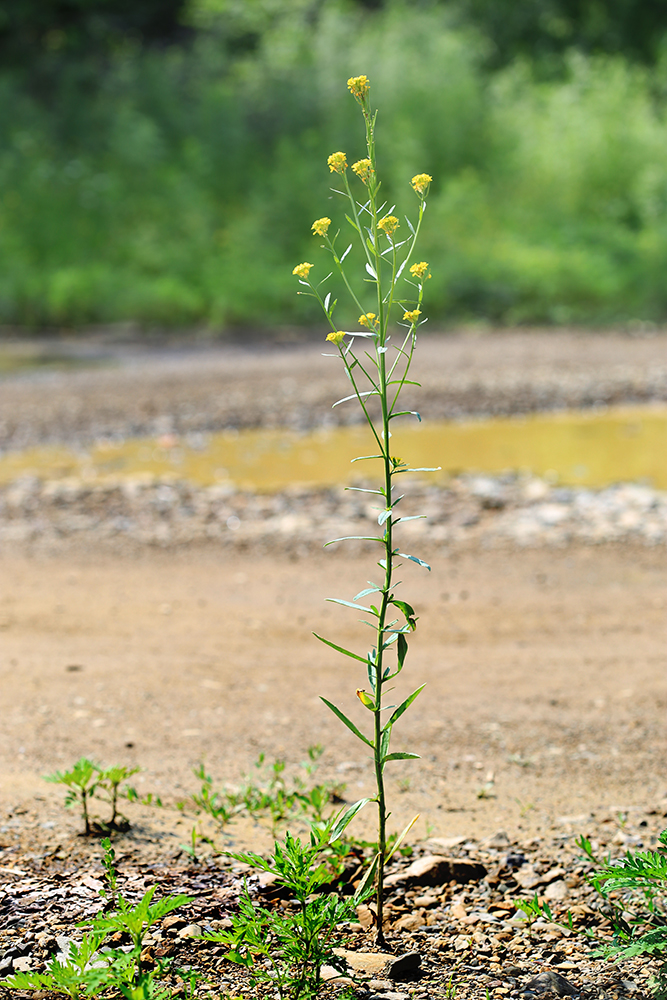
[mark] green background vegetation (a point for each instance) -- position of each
(162, 162)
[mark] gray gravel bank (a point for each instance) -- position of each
(471, 510)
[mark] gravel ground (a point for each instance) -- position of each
(182, 390)
(55, 516)
(452, 921)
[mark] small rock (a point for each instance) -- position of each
(435, 869)
(498, 839)
(437, 844)
(169, 923)
(404, 965)
(556, 890)
(190, 931)
(23, 964)
(409, 922)
(554, 982)
(368, 963)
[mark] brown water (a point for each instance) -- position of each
(577, 448)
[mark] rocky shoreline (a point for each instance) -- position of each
(469, 511)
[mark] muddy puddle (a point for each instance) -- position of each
(580, 448)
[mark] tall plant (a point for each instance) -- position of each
(378, 371)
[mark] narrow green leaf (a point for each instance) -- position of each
(350, 604)
(438, 468)
(346, 253)
(401, 756)
(340, 649)
(392, 639)
(384, 516)
(369, 590)
(412, 517)
(351, 221)
(406, 413)
(401, 837)
(363, 458)
(346, 399)
(403, 606)
(365, 887)
(344, 819)
(402, 651)
(384, 741)
(405, 705)
(347, 722)
(360, 489)
(414, 559)
(360, 538)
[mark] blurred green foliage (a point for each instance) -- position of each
(179, 189)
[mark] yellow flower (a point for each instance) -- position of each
(359, 86)
(368, 319)
(320, 226)
(302, 270)
(336, 336)
(419, 270)
(420, 182)
(389, 224)
(412, 315)
(337, 163)
(363, 169)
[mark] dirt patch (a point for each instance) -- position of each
(545, 677)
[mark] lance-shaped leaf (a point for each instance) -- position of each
(344, 255)
(340, 649)
(400, 756)
(371, 272)
(401, 837)
(369, 590)
(383, 516)
(397, 713)
(344, 819)
(414, 559)
(347, 722)
(365, 887)
(408, 611)
(346, 399)
(364, 458)
(351, 604)
(359, 538)
(402, 652)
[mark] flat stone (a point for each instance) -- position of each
(23, 964)
(435, 869)
(367, 963)
(329, 974)
(190, 931)
(409, 922)
(556, 890)
(553, 982)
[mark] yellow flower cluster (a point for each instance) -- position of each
(302, 270)
(363, 169)
(368, 319)
(419, 270)
(359, 86)
(389, 224)
(420, 182)
(337, 163)
(336, 336)
(412, 315)
(320, 226)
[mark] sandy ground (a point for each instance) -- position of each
(545, 676)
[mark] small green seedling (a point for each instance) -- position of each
(81, 783)
(287, 949)
(85, 781)
(83, 972)
(534, 910)
(642, 877)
